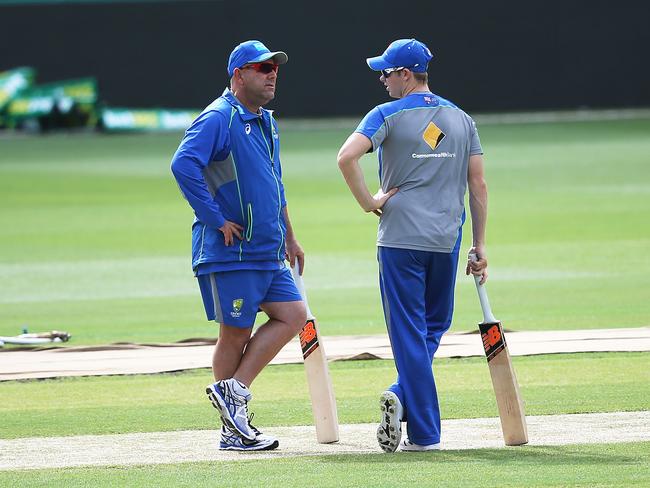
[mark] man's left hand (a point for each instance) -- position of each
(479, 267)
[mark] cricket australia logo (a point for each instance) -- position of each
(247, 129)
(237, 304)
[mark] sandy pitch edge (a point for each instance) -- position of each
(202, 445)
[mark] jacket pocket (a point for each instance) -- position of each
(249, 227)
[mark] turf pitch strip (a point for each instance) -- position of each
(202, 445)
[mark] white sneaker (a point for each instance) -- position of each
(231, 398)
(258, 434)
(232, 441)
(407, 445)
(389, 431)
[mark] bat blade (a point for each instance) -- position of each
(504, 382)
(319, 381)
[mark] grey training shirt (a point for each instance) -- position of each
(424, 143)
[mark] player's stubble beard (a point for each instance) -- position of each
(259, 92)
(261, 97)
(254, 93)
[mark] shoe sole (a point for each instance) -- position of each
(432, 447)
(269, 447)
(219, 403)
(389, 432)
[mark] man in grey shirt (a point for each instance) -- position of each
(429, 153)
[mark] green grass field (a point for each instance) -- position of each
(567, 383)
(611, 465)
(590, 466)
(552, 384)
(94, 234)
(94, 239)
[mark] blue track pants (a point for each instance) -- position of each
(417, 290)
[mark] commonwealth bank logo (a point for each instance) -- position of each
(433, 136)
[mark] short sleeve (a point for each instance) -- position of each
(475, 141)
(373, 126)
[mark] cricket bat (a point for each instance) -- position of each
(504, 380)
(321, 391)
(36, 338)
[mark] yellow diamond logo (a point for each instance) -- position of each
(433, 136)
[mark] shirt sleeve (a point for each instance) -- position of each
(206, 140)
(373, 126)
(475, 141)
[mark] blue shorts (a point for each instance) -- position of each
(234, 297)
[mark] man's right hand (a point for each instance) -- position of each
(379, 199)
(230, 229)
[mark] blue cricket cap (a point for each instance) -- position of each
(403, 53)
(253, 52)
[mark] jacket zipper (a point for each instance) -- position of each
(277, 184)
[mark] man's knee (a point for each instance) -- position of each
(293, 314)
(300, 316)
(235, 336)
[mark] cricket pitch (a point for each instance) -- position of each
(202, 445)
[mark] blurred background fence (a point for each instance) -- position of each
(489, 56)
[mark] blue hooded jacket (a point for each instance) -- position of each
(228, 168)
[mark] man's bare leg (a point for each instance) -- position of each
(229, 350)
(285, 321)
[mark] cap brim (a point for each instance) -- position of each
(378, 63)
(278, 57)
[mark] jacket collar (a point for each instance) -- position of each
(243, 112)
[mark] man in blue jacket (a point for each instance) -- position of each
(228, 168)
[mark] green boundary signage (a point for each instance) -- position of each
(75, 103)
(128, 119)
(12, 83)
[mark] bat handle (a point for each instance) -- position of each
(301, 288)
(482, 295)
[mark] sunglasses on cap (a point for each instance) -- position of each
(264, 68)
(389, 71)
